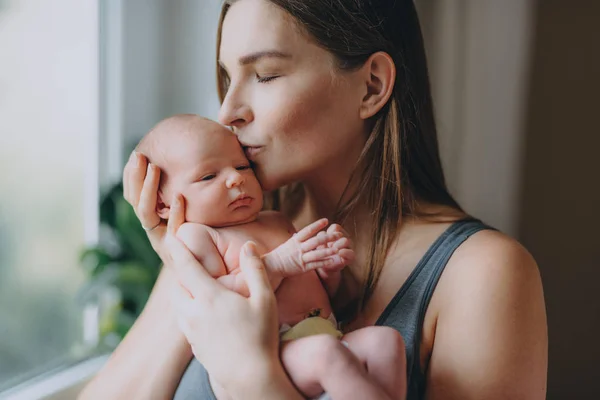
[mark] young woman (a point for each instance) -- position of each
(331, 101)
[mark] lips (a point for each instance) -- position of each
(241, 201)
(252, 151)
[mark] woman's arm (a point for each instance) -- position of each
(491, 335)
(151, 359)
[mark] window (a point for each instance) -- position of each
(80, 83)
(48, 180)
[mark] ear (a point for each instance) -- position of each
(162, 209)
(379, 74)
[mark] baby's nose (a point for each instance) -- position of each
(234, 179)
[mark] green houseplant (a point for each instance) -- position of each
(123, 263)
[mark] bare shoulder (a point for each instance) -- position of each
(493, 259)
(490, 330)
(491, 270)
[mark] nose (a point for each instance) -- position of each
(235, 111)
(234, 179)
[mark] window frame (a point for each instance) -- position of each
(104, 162)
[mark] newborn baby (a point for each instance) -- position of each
(204, 162)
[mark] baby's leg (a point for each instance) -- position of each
(381, 350)
(321, 363)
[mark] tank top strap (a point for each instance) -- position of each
(406, 311)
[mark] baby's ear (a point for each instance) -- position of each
(161, 208)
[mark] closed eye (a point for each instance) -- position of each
(243, 167)
(266, 79)
(208, 177)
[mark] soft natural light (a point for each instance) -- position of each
(48, 103)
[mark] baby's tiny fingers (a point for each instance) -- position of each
(327, 263)
(318, 255)
(347, 255)
(320, 239)
(334, 228)
(311, 230)
(343, 243)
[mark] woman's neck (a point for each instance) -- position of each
(323, 196)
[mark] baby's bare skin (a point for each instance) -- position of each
(296, 296)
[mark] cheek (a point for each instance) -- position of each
(307, 123)
(198, 200)
(304, 113)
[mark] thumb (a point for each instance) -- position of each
(254, 271)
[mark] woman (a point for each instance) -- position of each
(331, 100)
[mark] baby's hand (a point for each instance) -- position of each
(331, 275)
(344, 253)
(311, 249)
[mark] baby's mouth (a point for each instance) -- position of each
(241, 200)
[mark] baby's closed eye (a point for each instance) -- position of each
(208, 177)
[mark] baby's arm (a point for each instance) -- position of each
(201, 242)
(372, 364)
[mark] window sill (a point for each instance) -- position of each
(62, 385)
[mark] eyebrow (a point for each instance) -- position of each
(254, 57)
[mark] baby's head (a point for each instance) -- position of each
(204, 162)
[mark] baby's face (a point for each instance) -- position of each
(214, 176)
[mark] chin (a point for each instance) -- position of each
(271, 182)
(239, 220)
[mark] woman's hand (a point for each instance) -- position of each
(234, 337)
(140, 189)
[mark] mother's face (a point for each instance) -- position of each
(294, 112)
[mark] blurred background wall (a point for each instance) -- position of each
(559, 216)
(516, 86)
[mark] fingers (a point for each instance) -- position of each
(342, 243)
(235, 283)
(325, 264)
(338, 228)
(318, 254)
(176, 215)
(321, 238)
(254, 273)
(126, 174)
(136, 178)
(148, 196)
(229, 281)
(311, 230)
(347, 256)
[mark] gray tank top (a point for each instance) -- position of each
(405, 313)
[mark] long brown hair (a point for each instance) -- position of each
(400, 166)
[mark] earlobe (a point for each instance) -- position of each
(380, 72)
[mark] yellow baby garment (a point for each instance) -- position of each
(312, 326)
